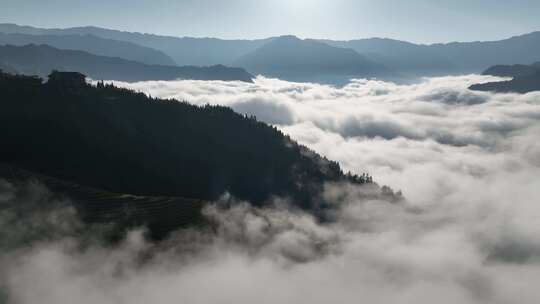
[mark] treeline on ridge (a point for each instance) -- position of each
(122, 141)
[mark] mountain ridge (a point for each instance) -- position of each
(525, 79)
(42, 59)
(92, 44)
(516, 70)
(291, 58)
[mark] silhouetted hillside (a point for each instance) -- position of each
(526, 78)
(125, 142)
(291, 58)
(520, 84)
(516, 70)
(42, 59)
(160, 214)
(92, 44)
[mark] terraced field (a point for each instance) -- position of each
(160, 214)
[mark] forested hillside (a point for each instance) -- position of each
(526, 79)
(125, 142)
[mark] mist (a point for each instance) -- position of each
(467, 163)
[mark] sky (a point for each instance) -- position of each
(422, 21)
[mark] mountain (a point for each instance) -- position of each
(478, 56)
(184, 51)
(92, 44)
(526, 78)
(125, 142)
(449, 58)
(516, 70)
(291, 58)
(42, 59)
(402, 56)
(522, 84)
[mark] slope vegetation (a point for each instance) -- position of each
(526, 79)
(124, 142)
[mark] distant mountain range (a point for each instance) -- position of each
(449, 58)
(40, 60)
(526, 78)
(406, 57)
(184, 51)
(290, 58)
(375, 57)
(92, 44)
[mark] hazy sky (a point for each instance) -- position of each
(413, 20)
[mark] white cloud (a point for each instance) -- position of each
(467, 162)
(441, 108)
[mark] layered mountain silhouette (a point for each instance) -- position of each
(449, 58)
(478, 56)
(125, 142)
(92, 44)
(184, 51)
(406, 57)
(42, 59)
(291, 58)
(526, 78)
(398, 56)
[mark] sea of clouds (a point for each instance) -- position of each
(467, 162)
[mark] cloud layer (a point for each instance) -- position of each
(467, 162)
